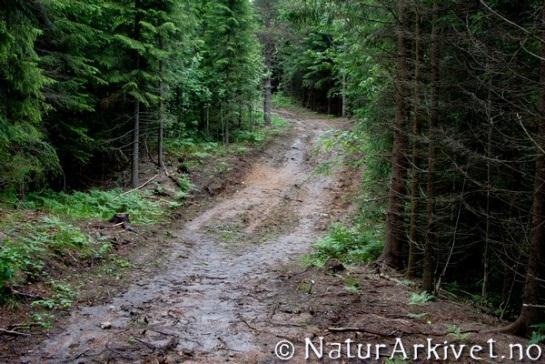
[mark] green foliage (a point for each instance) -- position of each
(456, 332)
(346, 245)
(279, 123)
(351, 285)
(187, 148)
(250, 136)
(420, 299)
(29, 246)
(283, 101)
(97, 204)
(186, 186)
(72, 71)
(395, 361)
(43, 319)
(538, 335)
(62, 298)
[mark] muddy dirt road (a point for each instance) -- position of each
(208, 302)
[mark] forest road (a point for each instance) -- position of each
(210, 302)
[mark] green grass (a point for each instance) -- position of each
(97, 204)
(278, 123)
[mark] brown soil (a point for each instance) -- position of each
(230, 286)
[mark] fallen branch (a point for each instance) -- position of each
(23, 294)
(149, 345)
(359, 329)
(12, 332)
(396, 332)
(249, 326)
(141, 186)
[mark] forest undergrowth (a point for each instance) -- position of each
(49, 237)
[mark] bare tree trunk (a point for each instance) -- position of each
(415, 183)
(227, 126)
(160, 141)
(207, 120)
(135, 180)
(222, 122)
(484, 287)
(395, 232)
(268, 39)
(239, 116)
(250, 116)
(429, 252)
(344, 105)
(267, 104)
(533, 309)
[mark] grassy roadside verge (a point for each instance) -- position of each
(55, 247)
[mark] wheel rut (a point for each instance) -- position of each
(197, 308)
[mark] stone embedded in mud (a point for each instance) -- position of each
(106, 325)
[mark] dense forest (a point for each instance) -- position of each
(446, 101)
(85, 83)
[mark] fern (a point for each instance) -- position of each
(97, 204)
(419, 299)
(538, 335)
(347, 245)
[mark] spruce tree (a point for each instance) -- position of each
(24, 154)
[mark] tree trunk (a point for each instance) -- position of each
(267, 104)
(227, 125)
(207, 120)
(344, 105)
(415, 183)
(484, 288)
(429, 252)
(533, 309)
(395, 230)
(239, 116)
(135, 181)
(160, 148)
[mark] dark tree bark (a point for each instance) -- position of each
(429, 253)
(135, 180)
(160, 137)
(344, 110)
(415, 180)
(267, 9)
(533, 309)
(395, 231)
(267, 103)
